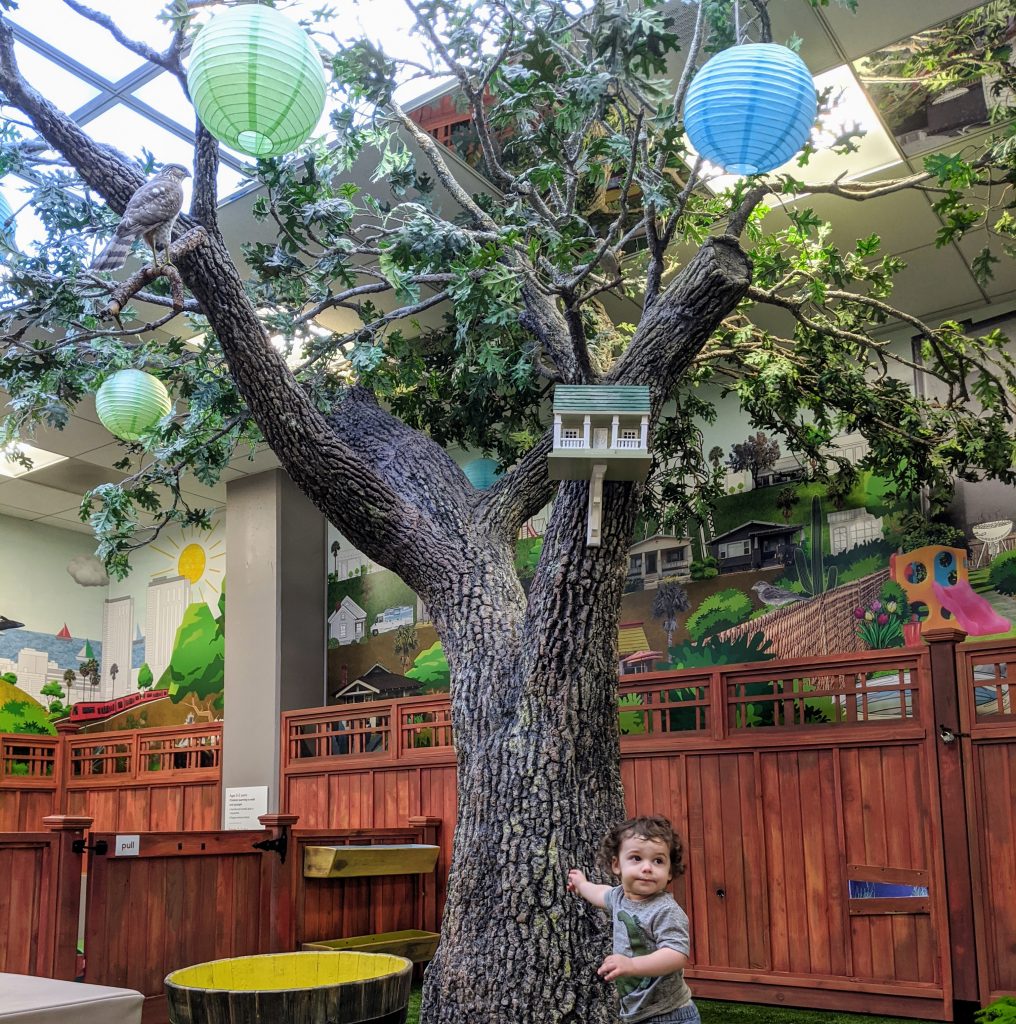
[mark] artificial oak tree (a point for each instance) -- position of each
(594, 255)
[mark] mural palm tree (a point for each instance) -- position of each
(405, 642)
(671, 599)
(335, 554)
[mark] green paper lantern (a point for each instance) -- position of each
(131, 402)
(256, 81)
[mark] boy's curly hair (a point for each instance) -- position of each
(648, 827)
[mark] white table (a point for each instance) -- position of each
(25, 999)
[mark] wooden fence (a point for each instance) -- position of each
(811, 794)
(179, 898)
(127, 781)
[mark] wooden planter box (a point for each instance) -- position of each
(413, 944)
(366, 861)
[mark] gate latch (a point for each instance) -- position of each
(278, 845)
(100, 846)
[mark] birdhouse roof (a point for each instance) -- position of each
(583, 398)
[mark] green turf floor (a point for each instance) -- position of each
(742, 1013)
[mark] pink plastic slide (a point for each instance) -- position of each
(972, 613)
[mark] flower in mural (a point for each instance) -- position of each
(880, 623)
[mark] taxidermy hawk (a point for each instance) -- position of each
(150, 214)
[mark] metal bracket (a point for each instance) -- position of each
(278, 845)
(100, 846)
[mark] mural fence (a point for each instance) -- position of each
(792, 630)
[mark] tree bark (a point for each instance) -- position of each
(534, 681)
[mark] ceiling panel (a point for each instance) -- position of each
(22, 493)
(885, 21)
(935, 281)
(17, 513)
(80, 435)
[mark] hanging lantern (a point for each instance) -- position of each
(481, 473)
(6, 224)
(256, 80)
(751, 108)
(131, 402)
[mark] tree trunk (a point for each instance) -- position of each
(538, 783)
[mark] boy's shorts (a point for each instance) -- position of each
(687, 1014)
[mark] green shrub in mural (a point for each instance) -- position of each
(1002, 1011)
(814, 577)
(431, 669)
(707, 568)
(22, 714)
(718, 612)
(631, 723)
(713, 651)
(1002, 573)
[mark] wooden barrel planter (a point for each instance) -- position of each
(297, 988)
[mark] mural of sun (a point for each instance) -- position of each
(200, 557)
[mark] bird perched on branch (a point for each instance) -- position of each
(150, 214)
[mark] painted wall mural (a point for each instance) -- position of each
(787, 570)
(144, 651)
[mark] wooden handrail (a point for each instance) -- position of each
(874, 691)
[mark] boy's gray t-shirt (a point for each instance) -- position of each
(642, 927)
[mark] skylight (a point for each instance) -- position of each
(40, 459)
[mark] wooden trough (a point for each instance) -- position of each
(368, 861)
(297, 988)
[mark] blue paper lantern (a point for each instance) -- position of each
(751, 108)
(6, 224)
(481, 473)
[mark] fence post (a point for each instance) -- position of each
(426, 889)
(62, 769)
(945, 730)
(65, 886)
(279, 893)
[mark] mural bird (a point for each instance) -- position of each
(6, 623)
(775, 597)
(150, 214)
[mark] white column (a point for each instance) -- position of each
(613, 432)
(645, 432)
(585, 432)
(276, 631)
(557, 430)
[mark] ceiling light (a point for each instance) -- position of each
(40, 459)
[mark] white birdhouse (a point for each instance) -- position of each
(600, 433)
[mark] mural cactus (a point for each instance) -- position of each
(814, 577)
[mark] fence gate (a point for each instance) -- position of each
(987, 674)
(159, 901)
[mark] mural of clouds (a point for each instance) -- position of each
(87, 571)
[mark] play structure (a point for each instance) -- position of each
(937, 584)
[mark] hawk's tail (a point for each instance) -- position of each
(114, 256)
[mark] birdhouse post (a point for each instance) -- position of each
(600, 433)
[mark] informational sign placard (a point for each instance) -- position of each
(127, 846)
(243, 805)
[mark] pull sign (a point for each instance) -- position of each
(127, 846)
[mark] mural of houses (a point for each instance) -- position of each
(851, 527)
(633, 651)
(639, 663)
(756, 544)
(377, 683)
(657, 557)
(346, 624)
